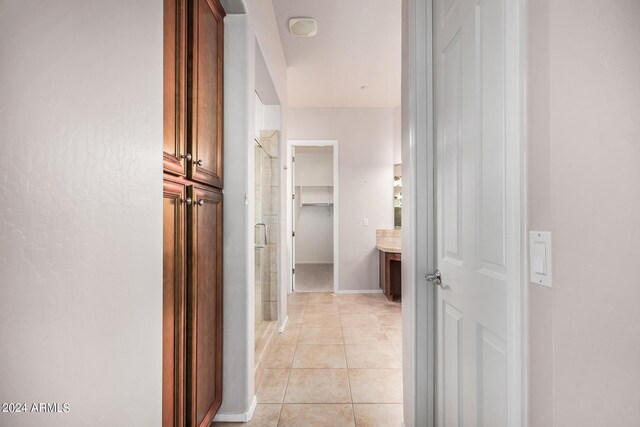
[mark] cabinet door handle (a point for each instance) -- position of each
(199, 162)
(187, 201)
(187, 156)
(200, 202)
(265, 236)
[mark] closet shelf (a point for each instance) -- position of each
(317, 204)
(316, 196)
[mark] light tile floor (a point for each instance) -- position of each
(337, 364)
(314, 277)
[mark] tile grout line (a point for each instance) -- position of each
(291, 367)
(346, 361)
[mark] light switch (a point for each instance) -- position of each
(540, 257)
(365, 222)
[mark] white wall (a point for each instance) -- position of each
(314, 168)
(583, 185)
(258, 121)
(242, 31)
(237, 386)
(365, 138)
(263, 22)
(81, 234)
(314, 224)
(314, 234)
(397, 135)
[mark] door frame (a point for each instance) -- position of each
(419, 238)
(336, 202)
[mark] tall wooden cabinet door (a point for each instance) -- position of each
(175, 158)
(173, 305)
(204, 306)
(205, 91)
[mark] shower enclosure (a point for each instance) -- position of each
(266, 237)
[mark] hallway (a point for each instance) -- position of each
(338, 363)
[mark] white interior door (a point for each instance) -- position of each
(293, 218)
(477, 229)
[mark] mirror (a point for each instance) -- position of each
(397, 195)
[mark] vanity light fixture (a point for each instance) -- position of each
(303, 27)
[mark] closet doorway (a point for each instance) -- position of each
(314, 211)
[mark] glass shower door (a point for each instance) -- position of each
(261, 236)
(266, 184)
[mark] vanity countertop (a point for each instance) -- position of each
(391, 249)
(389, 240)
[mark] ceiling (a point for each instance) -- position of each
(358, 44)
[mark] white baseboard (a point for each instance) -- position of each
(243, 417)
(315, 263)
(361, 291)
(284, 325)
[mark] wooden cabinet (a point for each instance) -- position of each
(391, 274)
(192, 303)
(205, 102)
(192, 239)
(175, 86)
(193, 89)
(173, 304)
(204, 306)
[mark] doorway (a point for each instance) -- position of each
(314, 213)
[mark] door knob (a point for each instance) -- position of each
(187, 201)
(199, 162)
(435, 278)
(187, 156)
(200, 202)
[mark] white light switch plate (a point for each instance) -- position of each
(540, 258)
(365, 222)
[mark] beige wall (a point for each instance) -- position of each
(365, 166)
(583, 155)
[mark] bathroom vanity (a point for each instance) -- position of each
(389, 245)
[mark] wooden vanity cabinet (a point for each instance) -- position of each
(390, 275)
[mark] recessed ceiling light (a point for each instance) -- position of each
(364, 87)
(303, 27)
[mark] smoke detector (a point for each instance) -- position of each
(303, 27)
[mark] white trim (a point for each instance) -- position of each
(315, 263)
(243, 417)
(284, 325)
(418, 255)
(336, 198)
(361, 291)
(515, 63)
(524, 295)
